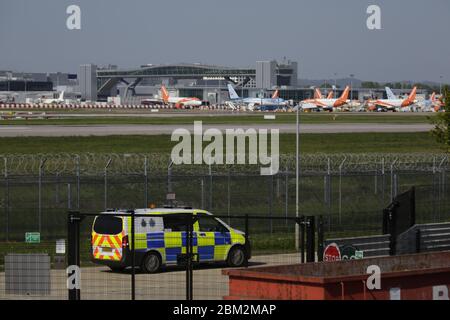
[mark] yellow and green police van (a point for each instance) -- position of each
(160, 239)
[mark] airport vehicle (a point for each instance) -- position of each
(393, 102)
(327, 104)
(179, 102)
(160, 239)
(274, 101)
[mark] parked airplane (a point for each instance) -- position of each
(318, 94)
(393, 102)
(274, 101)
(179, 102)
(328, 103)
(59, 100)
(433, 104)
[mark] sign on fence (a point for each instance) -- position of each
(60, 246)
(332, 253)
(32, 237)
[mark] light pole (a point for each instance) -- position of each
(440, 85)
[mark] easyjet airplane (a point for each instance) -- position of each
(179, 102)
(329, 103)
(393, 101)
(433, 104)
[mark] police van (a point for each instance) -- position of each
(160, 239)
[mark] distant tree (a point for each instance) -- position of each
(326, 85)
(441, 121)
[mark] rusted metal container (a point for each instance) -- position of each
(408, 277)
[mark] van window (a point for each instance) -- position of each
(108, 225)
(174, 223)
(210, 224)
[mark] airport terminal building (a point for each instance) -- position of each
(205, 82)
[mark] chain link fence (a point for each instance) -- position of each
(350, 191)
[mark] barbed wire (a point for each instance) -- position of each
(136, 163)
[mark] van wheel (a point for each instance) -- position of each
(236, 257)
(151, 262)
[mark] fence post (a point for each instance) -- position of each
(228, 197)
(300, 222)
(106, 182)
(393, 236)
(189, 252)
(286, 195)
(327, 188)
(310, 239)
(133, 257)
(441, 191)
(383, 180)
(41, 169)
(210, 187)
(69, 198)
(320, 239)
(6, 199)
(202, 185)
(169, 177)
(146, 182)
(434, 190)
(340, 190)
(73, 254)
(78, 180)
(247, 237)
(392, 180)
(57, 188)
(270, 180)
(418, 236)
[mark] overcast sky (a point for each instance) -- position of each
(324, 36)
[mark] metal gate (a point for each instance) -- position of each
(87, 280)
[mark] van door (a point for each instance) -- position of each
(214, 239)
(106, 239)
(175, 237)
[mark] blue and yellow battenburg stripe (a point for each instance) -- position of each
(210, 246)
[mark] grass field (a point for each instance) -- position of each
(161, 119)
(310, 143)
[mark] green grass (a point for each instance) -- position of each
(228, 119)
(310, 143)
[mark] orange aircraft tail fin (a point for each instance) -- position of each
(345, 94)
(165, 94)
(275, 94)
(330, 95)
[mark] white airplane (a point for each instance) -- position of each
(179, 102)
(393, 102)
(274, 101)
(328, 103)
(433, 104)
(58, 100)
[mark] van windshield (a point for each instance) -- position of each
(108, 225)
